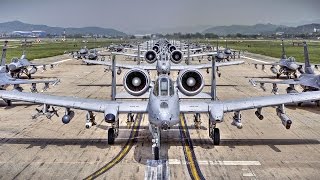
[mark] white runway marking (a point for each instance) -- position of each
(220, 163)
(157, 170)
(255, 59)
(62, 61)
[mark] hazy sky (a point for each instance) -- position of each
(132, 15)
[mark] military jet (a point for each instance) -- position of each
(163, 61)
(7, 80)
(309, 81)
(21, 66)
(288, 66)
(164, 105)
(81, 54)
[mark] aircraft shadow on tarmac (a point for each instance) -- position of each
(307, 106)
(142, 149)
(5, 106)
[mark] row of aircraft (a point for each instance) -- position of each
(166, 98)
(10, 73)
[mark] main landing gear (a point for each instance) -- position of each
(113, 132)
(214, 133)
(197, 121)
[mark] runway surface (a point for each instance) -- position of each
(48, 149)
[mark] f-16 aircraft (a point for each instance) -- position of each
(288, 66)
(164, 105)
(309, 81)
(7, 80)
(81, 54)
(21, 66)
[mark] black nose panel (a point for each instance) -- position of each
(110, 118)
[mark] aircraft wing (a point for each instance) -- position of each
(124, 66)
(21, 81)
(248, 103)
(201, 54)
(127, 54)
(312, 82)
(289, 81)
(76, 103)
(204, 66)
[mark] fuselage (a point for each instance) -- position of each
(163, 105)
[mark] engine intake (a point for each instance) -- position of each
(150, 56)
(190, 82)
(172, 48)
(176, 56)
(136, 81)
(156, 48)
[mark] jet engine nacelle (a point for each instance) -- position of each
(150, 56)
(176, 56)
(67, 117)
(156, 48)
(33, 70)
(172, 48)
(136, 81)
(190, 82)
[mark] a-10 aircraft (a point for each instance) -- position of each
(288, 66)
(309, 81)
(167, 60)
(164, 104)
(7, 80)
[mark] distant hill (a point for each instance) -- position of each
(243, 29)
(8, 27)
(262, 29)
(308, 28)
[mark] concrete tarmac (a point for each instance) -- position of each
(48, 149)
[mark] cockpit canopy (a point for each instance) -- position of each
(163, 87)
(14, 60)
(291, 59)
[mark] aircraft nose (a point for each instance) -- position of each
(293, 66)
(12, 66)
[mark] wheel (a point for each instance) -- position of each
(111, 136)
(278, 75)
(216, 136)
(156, 153)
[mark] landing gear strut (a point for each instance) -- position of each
(214, 133)
(113, 132)
(155, 131)
(130, 119)
(197, 121)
